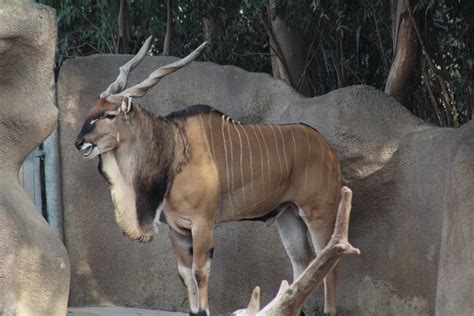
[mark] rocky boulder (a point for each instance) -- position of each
(34, 265)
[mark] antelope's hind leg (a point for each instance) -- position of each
(320, 229)
(293, 234)
(182, 245)
(203, 248)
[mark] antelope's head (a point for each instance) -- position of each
(107, 123)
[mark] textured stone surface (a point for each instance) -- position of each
(34, 266)
(456, 268)
(397, 166)
(118, 311)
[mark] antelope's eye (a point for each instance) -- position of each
(110, 116)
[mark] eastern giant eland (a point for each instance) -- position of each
(197, 167)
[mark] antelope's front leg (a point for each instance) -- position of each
(203, 249)
(182, 245)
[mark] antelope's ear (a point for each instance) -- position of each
(126, 105)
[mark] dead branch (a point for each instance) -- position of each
(169, 29)
(405, 52)
(291, 298)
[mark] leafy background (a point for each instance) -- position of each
(344, 42)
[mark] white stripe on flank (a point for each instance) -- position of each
(212, 136)
(226, 163)
(241, 164)
(284, 149)
(261, 155)
(231, 157)
(307, 159)
(329, 177)
(250, 157)
(278, 151)
(294, 146)
(320, 188)
(268, 157)
(204, 132)
(322, 166)
(265, 197)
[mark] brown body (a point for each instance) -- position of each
(256, 168)
(197, 167)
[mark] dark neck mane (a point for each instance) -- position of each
(156, 147)
(192, 110)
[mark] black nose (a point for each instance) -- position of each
(79, 143)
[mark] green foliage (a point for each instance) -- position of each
(90, 27)
(452, 35)
(85, 27)
(350, 42)
(346, 42)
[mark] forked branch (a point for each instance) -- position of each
(291, 298)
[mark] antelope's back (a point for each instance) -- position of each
(262, 165)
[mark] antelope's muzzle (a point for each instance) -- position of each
(84, 148)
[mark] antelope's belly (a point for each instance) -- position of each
(248, 204)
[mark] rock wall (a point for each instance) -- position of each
(456, 272)
(405, 174)
(34, 265)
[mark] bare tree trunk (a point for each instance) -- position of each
(213, 29)
(279, 66)
(405, 52)
(289, 42)
(124, 28)
(169, 29)
(394, 22)
(288, 57)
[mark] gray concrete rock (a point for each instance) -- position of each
(456, 268)
(397, 166)
(34, 265)
(118, 311)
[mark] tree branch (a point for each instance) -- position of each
(291, 298)
(124, 29)
(169, 29)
